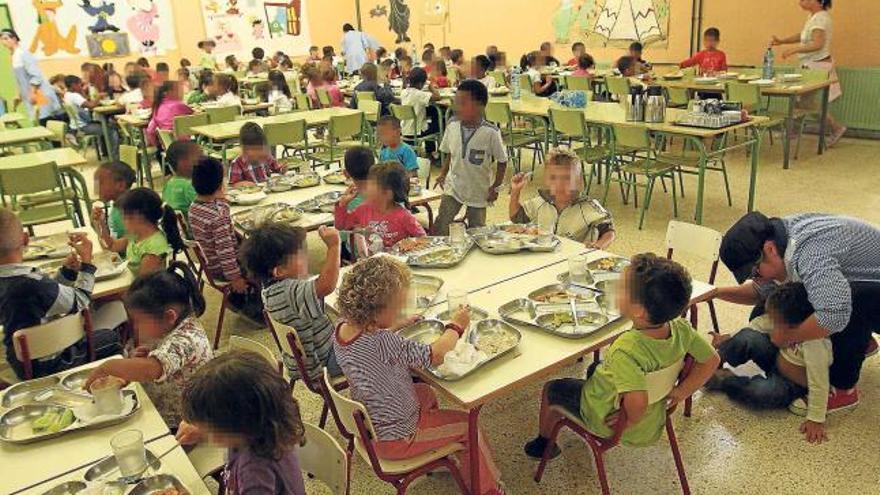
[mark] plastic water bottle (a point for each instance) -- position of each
(768, 64)
(515, 88)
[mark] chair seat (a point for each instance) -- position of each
(231, 153)
(42, 198)
(574, 418)
(593, 153)
(42, 214)
(517, 140)
(413, 463)
(207, 459)
(647, 167)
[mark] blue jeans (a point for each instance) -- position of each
(771, 392)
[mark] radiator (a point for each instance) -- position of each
(859, 107)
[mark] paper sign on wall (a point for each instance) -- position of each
(238, 26)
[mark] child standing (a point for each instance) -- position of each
(276, 255)
(256, 163)
(164, 307)
(393, 148)
(179, 193)
(208, 60)
(471, 145)
(385, 212)
(653, 293)
(212, 228)
(406, 417)
(562, 208)
(223, 399)
(415, 96)
(710, 60)
(790, 374)
(113, 180)
(145, 245)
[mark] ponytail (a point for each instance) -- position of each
(196, 299)
(176, 286)
(171, 228)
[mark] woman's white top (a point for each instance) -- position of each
(819, 20)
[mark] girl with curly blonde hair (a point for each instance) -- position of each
(377, 363)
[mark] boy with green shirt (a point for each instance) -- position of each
(112, 180)
(653, 294)
(178, 192)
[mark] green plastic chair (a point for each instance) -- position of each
(371, 109)
(146, 154)
(630, 166)
(516, 140)
(83, 140)
(571, 126)
(59, 131)
(677, 97)
(406, 113)
(525, 84)
(183, 125)
(365, 96)
(166, 138)
(219, 115)
(40, 179)
(618, 86)
(499, 76)
(343, 132)
(579, 83)
(303, 102)
(750, 97)
(293, 139)
(452, 76)
(324, 98)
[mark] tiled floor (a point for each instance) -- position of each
(726, 449)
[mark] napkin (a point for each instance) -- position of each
(87, 415)
(463, 358)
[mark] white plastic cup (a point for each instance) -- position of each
(456, 299)
(577, 269)
(131, 456)
(107, 393)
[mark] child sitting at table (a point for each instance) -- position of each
(164, 308)
(635, 51)
(562, 208)
(404, 67)
(276, 255)
(261, 66)
(374, 357)
(480, 71)
(232, 63)
(330, 77)
(439, 74)
(146, 246)
(314, 55)
(585, 66)
(382, 92)
(420, 98)
(385, 212)
(278, 92)
(542, 84)
(167, 106)
(256, 163)
(471, 145)
(457, 66)
(653, 293)
(630, 68)
(81, 120)
(224, 89)
(202, 92)
(178, 192)
(211, 226)
(578, 49)
(222, 400)
(790, 374)
(29, 297)
(113, 179)
(393, 148)
(134, 96)
(710, 60)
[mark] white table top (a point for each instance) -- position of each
(175, 463)
(539, 353)
(25, 465)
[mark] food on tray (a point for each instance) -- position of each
(521, 229)
(53, 421)
(413, 244)
(246, 189)
(305, 180)
(560, 319)
(496, 342)
(445, 255)
(169, 491)
(462, 359)
(560, 296)
(288, 215)
(608, 264)
(335, 178)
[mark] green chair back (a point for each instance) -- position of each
(183, 125)
(569, 123)
(404, 112)
(302, 102)
(292, 132)
(365, 96)
(631, 137)
(166, 137)
(347, 127)
(219, 115)
(525, 83)
(814, 75)
(498, 112)
(324, 98)
(129, 155)
(58, 129)
(499, 77)
(42, 177)
(678, 97)
(617, 85)
(579, 83)
(371, 109)
(747, 94)
(452, 76)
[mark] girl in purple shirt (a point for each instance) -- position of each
(167, 105)
(239, 401)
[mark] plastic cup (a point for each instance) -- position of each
(131, 456)
(107, 392)
(456, 299)
(578, 271)
(457, 234)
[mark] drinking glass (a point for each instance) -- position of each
(131, 456)
(577, 270)
(456, 299)
(108, 395)
(457, 234)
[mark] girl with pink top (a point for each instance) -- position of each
(385, 212)
(167, 105)
(586, 65)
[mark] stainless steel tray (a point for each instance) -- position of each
(76, 380)
(23, 393)
(248, 220)
(322, 203)
(477, 314)
(303, 181)
(496, 240)
(15, 424)
(527, 313)
(74, 487)
(437, 252)
(562, 293)
(153, 484)
(428, 331)
(427, 288)
(108, 466)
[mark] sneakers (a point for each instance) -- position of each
(535, 448)
(837, 401)
(872, 348)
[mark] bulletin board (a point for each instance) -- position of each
(237, 26)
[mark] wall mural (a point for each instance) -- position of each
(614, 23)
(398, 21)
(67, 28)
(237, 26)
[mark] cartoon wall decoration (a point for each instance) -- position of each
(54, 29)
(398, 21)
(434, 13)
(614, 23)
(239, 25)
(378, 11)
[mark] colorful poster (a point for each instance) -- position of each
(237, 26)
(53, 29)
(615, 23)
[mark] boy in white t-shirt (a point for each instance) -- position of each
(796, 377)
(82, 121)
(419, 95)
(471, 145)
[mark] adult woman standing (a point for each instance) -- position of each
(33, 87)
(814, 51)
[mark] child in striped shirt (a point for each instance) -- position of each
(256, 163)
(377, 362)
(277, 256)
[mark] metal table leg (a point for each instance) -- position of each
(824, 115)
(789, 130)
(753, 177)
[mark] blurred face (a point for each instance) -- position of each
(810, 5)
(108, 189)
(710, 42)
(378, 195)
(255, 154)
(152, 327)
(562, 181)
(578, 51)
(466, 107)
(137, 225)
(389, 135)
(185, 166)
(771, 265)
(219, 438)
(115, 81)
(391, 313)
(628, 307)
(406, 66)
(294, 266)
(77, 87)
(8, 41)
(635, 53)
